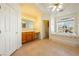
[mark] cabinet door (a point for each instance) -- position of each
(2, 31)
(24, 40)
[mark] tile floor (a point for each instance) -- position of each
(46, 47)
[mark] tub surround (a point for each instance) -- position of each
(65, 39)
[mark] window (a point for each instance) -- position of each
(65, 26)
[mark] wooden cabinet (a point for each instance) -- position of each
(28, 36)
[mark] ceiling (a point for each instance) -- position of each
(30, 9)
(37, 9)
(67, 8)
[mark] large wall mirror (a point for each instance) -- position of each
(28, 24)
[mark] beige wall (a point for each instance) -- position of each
(36, 24)
(31, 12)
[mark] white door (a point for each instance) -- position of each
(2, 31)
(13, 31)
(19, 30)
(10, 30)
(8, 40)
(13, 34)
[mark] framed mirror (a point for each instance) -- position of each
(28, 24)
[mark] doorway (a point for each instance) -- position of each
(45, 28)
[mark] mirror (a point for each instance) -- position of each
(27, 24)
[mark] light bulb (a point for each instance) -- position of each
(58, 9)
(60, 6)
(54, 8)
